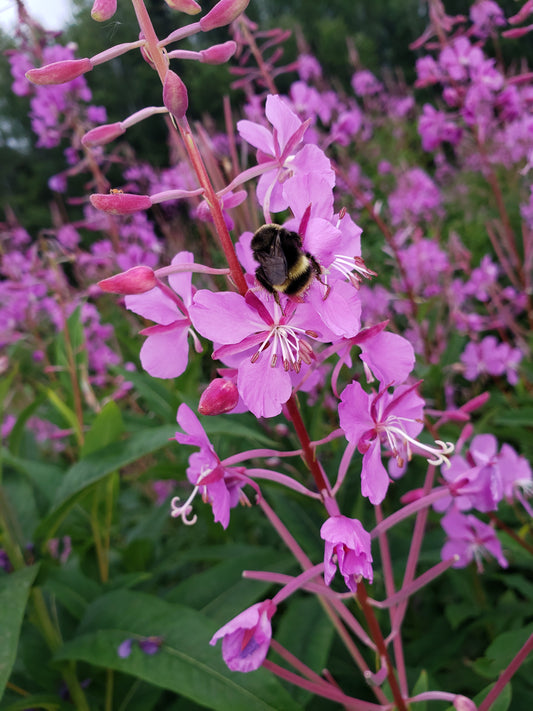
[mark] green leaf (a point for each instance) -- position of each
(48, 702)
(16, 435)
(185, 664)
(220, 591)
(43, 476)
(106, 428)
(422, 685)
(14, 591)
(89, 471)
(521, 417)
(505, 646)
(67, 413)
(71, 588)
(155, 392)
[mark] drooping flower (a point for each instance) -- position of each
(246, 638)
(394, 419)
(348, 547)
(218, 485)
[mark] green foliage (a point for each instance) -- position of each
(14, 591)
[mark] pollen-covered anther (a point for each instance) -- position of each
(347, 265)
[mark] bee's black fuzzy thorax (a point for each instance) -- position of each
(284, 266)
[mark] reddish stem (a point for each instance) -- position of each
(161, 66)
(308, 450)
(375, 633)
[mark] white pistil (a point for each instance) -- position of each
(183, 511)
(434, 455)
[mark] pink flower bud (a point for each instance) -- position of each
(218, 53)
(175, 95)
(136, 280)
(103, 10)
(101, 135)
(118, 203)
(59, 72)
(221, 395)
(188, 6)
(223, 13)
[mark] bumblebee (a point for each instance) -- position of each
(285, 268)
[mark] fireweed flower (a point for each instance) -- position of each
(219, 485)
(246, 638)
(489, 357)
(470, 539)
(392, 418)
(278, 151)
(268, 345)
(348, 547)
(165, 353)
(516, 475)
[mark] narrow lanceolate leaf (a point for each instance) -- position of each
(14, 591)
(185, 663)
(96, 466)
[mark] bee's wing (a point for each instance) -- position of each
(274, 263)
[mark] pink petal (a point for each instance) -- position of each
(374, 477)
(165, 354)
(153, 305)
(263, 389)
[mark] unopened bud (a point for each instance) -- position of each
(59, 72)
(223, 13)
(101, 135)
(118, 203)
(137, 280)
(218, 53)
(175, 94)
(188, 6)
(220, 396)
(103, 10)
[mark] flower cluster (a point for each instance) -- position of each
(298, 319)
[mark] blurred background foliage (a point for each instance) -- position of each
(381, 31)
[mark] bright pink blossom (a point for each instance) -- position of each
(218, 485)
(268, 345)
(280, 148)
(394, 419)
